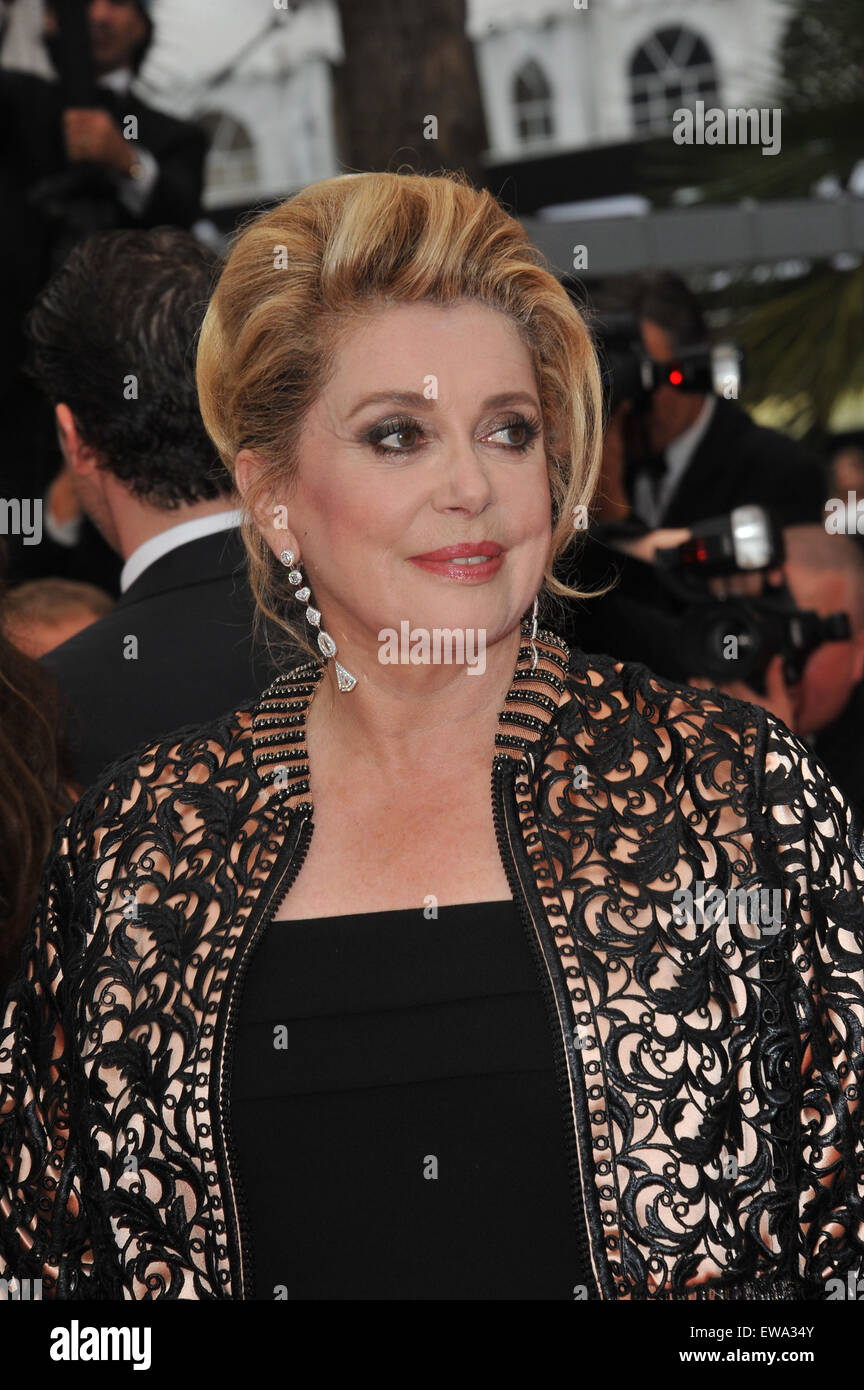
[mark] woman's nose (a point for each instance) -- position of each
(464, 481)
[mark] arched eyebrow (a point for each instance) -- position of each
(418, 401)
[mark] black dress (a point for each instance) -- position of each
(395, 1113)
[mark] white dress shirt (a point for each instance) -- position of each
(67, 534)
(166, 541)
(677, 455)
(133, 193)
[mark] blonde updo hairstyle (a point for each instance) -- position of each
(299, 274)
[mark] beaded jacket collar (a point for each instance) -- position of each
(279, 722)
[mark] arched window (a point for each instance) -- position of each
(231, 162)
(673, 68)
(532, 101)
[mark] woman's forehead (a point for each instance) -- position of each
(412, 338)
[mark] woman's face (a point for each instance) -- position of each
(428, 435)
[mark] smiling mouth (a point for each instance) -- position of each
(486, 550)
(470, 567)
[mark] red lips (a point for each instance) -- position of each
(448, 552)
(445, 562)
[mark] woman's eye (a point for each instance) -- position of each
(404, 439)
(395, 436)
(527, 431)
(522, 434)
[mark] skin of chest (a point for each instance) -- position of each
(380, 852)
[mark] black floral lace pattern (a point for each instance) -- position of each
(110, 1183)
(725, 1127)
(721, 1065)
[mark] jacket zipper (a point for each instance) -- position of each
(504, 770)
(288, 864)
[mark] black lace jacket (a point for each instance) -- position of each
(709, 1060)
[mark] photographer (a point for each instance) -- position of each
(678, 453)
(825, 574)
(788, 625)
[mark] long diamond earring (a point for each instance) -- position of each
(326, 645)
(534, 633)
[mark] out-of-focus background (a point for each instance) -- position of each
(564, 110)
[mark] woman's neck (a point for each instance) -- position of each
(400, 717)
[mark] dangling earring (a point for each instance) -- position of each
(534, 633)
(326, 645)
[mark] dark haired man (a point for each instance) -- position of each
(703, 455)
(112, 340)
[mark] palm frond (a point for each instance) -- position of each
(806, 344)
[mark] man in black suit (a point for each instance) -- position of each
(115, 162)
(67, 170)
(703, 455)
(113, 348)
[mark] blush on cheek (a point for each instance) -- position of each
(332, 514)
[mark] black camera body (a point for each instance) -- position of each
(629, 374)
(667, 616)
(735, 639)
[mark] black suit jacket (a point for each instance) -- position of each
(841, 748)
(739, 462)
(190, 614)
(32, 147)
(37, 233)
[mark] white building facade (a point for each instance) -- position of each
(271, 123)
(555, 75)
(561, 75)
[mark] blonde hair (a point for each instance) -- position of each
(351, 244)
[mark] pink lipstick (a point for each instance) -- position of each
(469, 562)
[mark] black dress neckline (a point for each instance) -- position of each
(395, 1111)
(391, 913)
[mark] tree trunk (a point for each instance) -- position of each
(409, 74)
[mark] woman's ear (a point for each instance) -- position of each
(247, 466)
(270, 516)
